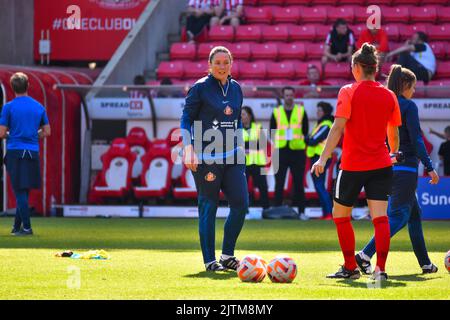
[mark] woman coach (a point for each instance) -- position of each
(26, 121)
(214, 105)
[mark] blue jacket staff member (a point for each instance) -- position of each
(315, 145)
(403, 206)
(213, 109)
(26, 121)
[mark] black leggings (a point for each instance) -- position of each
(196, 25)
(407, 61)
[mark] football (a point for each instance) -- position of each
(447, 261)
(282, 269)
(252, 268)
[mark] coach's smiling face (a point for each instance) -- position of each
(220, 66)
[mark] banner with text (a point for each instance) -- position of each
(434, 199)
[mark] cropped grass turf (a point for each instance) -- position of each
(161, 259)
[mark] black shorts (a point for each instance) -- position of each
(377, 185)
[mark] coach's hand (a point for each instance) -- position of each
(190, 158)
(434, 177)
(318, 167)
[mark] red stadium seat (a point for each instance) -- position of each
(280, 70)
(197, 69)
(313, 14)
(381, 2)
(114, 181)
(183, 51)
(258, 14)
(248, 33)
(240, 50)
(403, 2)
(264, 51)
(138, 143)
(357, 29)
(170, 69)
(204, 49)
(354, 2)
(394, 14)
(442, 70)
(322, 32)
(335, 13)
(439, 32)
(270, 2)
(314, 50)
(360, 14)
(337, 70)
(221, 33)
(156, 173)
(323, 2)
(296, 2)
(286, 14)
(439, 49)
(423, 14)
(303, 32)
(443, 14)
(275, 33)
(406, 31)
(252, 70)
(301, 68)
(187, 190)
(250, 2)
(294, 50)
(392, 32)
(437, 88)
(441, 2)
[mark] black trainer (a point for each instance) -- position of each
(363, 265)
(429, 269)
(14, 231)
(344, 273)
(215, 266)
(379, 276)
(23, 232)
(230, 263)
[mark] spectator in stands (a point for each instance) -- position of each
(444, 149)
(416, 55)
(314, 81)
(339, 44)
(23, 122)
(316, 142)
(290, 123)
(199, 16)
(230, 12)
(139, 80)
(377, 38)
(256, 158)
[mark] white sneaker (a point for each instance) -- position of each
(303, 217)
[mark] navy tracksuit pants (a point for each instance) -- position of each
(319, 184)
(404, 209)
(209, 180)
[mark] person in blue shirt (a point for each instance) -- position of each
(403, 208)
(23, 122)
(216, 155)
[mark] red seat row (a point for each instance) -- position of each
(303, 14)
(342, 2)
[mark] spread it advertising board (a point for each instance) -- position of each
(434, 199)
(84, 30)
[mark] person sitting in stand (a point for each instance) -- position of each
(313, 80)
(339, 44)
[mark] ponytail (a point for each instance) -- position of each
(400, 79)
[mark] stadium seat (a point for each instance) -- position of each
(301, 68)
(280, 70)
(264, 51)
(187, 190)
(439, 49)
(270, 2)
(353, 2)
(248, 33)
(443, 14)
(221, 33)
(174, 141)
(357, 29)
(337, 70)
(313, 14)
(182, 51)
(439, 32)
(442, 70)
(156, 172)
(403, 2)
(322, 31)
(204, 49)
(335, 13)
(195, 69)
(296, 2)
(303, 32)
(240, 50)
(293, 50)
(441, 2)
(437, 88)
(114, 180)
(275, 33)
(252, 70)
(170, 69)
(406, 31)
(250, 2)
(423, 14)
(286, 14)
(360, 14)
(258, 15)
(138, 143)
(314, 50)
(394, 14)
(323, 2)
(392, 31)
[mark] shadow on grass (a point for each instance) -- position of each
(368, 284)
(413, 277)
(212, 275)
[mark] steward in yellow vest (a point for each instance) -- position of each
(251, 138)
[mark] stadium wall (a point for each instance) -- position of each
(17, 19)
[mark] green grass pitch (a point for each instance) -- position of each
(161, 259)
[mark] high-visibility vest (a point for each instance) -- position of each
(257, 157)
(297, 141)
(311, 151)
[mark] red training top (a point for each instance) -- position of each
(379, 40)
(368, 107)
